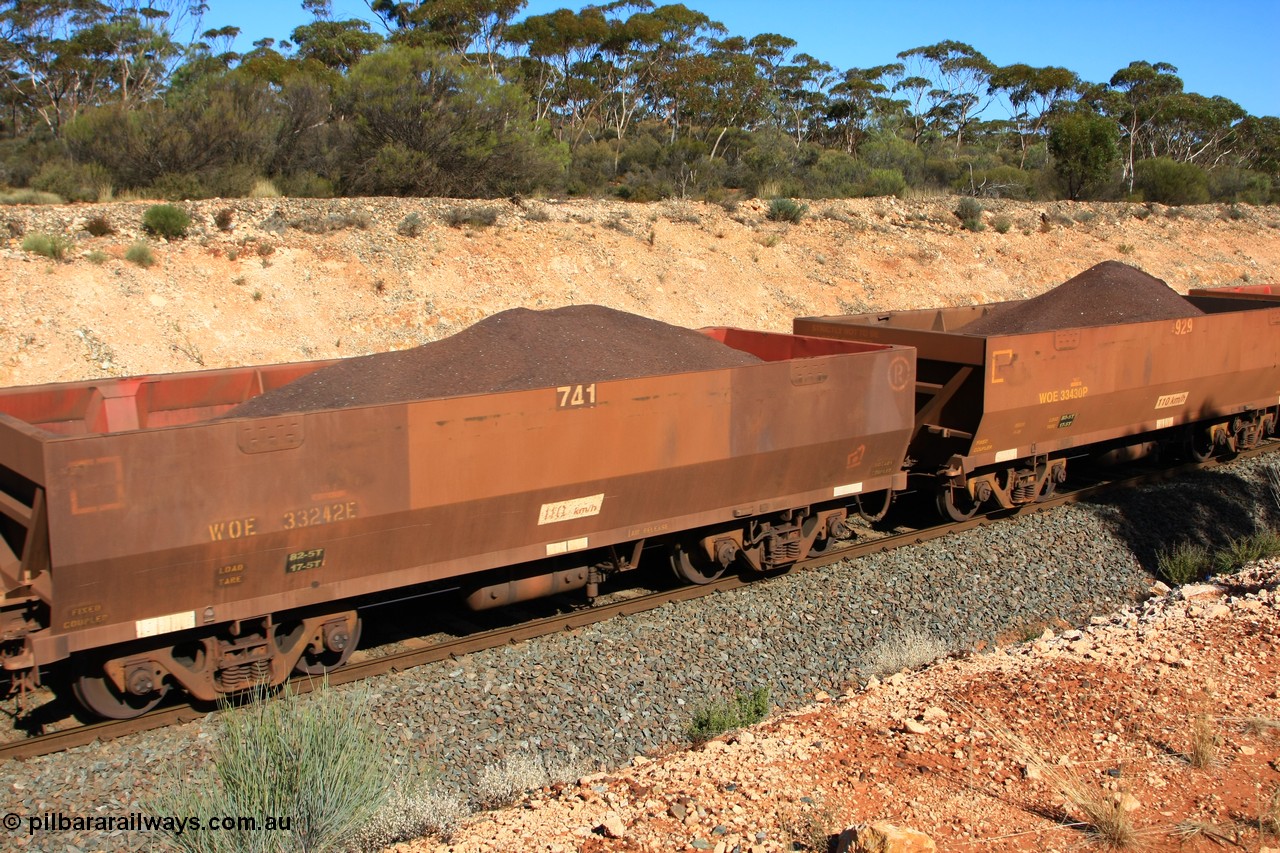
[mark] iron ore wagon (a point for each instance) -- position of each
(153, 539)
(1006, 393)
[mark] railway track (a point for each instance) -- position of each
(69, 738)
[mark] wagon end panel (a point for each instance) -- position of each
(160, 530)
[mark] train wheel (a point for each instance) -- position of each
(1047, 490)
(956, 504)
(690, 566)
(1200, 445)
(325, 662)
(99, 695)
(822, 546)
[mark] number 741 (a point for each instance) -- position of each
(572, 396)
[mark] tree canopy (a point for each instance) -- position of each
(630, 97)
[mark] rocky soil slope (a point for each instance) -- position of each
(294, 279)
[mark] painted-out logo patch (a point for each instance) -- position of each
(571, 509)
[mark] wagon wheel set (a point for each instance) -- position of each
(217, 665)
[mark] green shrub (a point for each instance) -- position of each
(1167, 181)
(537, 214)
(786, 210)
(883, 182)
(98, 257)
(30, 197)
(1245, 550)
(72, 181)
(478, 217)
(166, 220)
(1240, 185)
(317, 761)
(969, 212)
(1184, 563)
(744, 709)
(307, 185)
(180, 186)
(410, 226)
(140, 253)
(1002, 224)
(996, 182)
(52, 246)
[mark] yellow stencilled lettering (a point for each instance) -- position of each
(650, 530)
(84, 616)
(1183, 326)
(236, 528)
(84, 622)
(314, 516)
(575, 396)
(1060, 395)
(301, 561)
(230, 575)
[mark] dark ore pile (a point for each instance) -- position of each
(514, 350)
(1107, 293)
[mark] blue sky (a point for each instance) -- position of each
(1225, 48)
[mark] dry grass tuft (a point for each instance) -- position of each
(1259, 726)
(1104, 816)
(1269, 819)
(809, 828)
(1205, 741)
(1189, 829)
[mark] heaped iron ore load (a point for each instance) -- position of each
(511, 351)
(1113, 361)
(1104, 294)
(211, 531)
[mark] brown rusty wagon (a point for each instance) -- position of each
(998, 415)
(149, 543)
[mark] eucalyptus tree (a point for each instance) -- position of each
(59, 56)
(1033, 93)
(1139, 93)
(1083, 146)
(333, 45)
(473, 29)
(557, 70)
(1196, 129)
(677, 50)
(945, 83)
(860, 102)
(802, 88)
